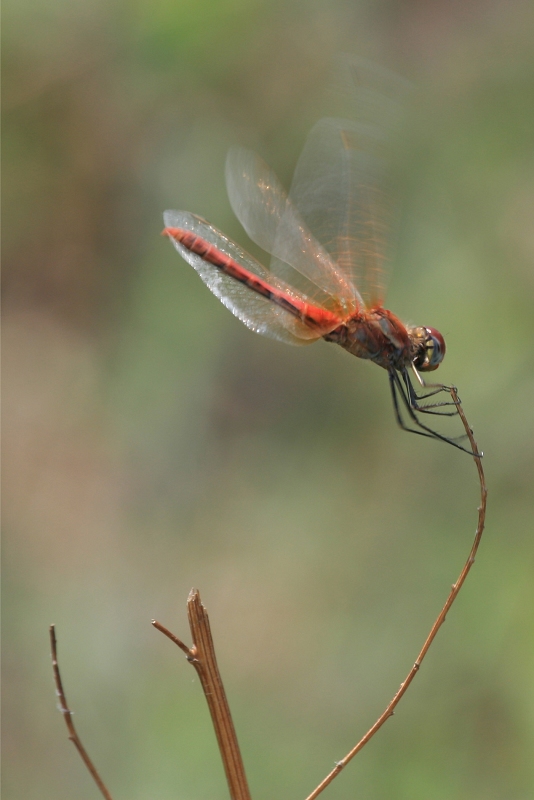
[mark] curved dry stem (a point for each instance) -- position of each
(67, 716)
(389, 710)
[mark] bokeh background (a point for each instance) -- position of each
(152, 443)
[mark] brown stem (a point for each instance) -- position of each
(67, 715)
(202, 656)
(388, 712)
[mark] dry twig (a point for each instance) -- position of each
(67, 716)
(202, 656)
(388, 712)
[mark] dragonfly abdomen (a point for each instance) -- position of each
(314, 317)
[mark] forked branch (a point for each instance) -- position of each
(202, 656)
(389, 710)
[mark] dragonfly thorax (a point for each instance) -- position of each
(377, 335)
(380, 336)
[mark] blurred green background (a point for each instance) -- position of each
(152, 443)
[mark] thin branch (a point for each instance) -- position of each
(202, 656)
(67, 716)
(388, 712)
(173, 638)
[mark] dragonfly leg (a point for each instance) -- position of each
(401, 392)
(428, 408)
(435, 388)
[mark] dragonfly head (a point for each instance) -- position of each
(429, 348)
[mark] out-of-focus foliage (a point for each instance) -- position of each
(152, 443)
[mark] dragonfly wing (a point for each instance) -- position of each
(257, 312)
(339, 189)
(370, 93)
(271, 220)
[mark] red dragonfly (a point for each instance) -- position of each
(326, 277)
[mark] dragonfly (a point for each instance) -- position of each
(328, 243)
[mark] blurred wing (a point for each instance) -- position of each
(257, 312)
(339, 189)
(370, 93)
(274, 223)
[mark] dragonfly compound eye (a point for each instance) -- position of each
(432, 351)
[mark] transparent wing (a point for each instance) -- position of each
(258, 313)
(272, 221)
(369, 93)
(340, 190)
